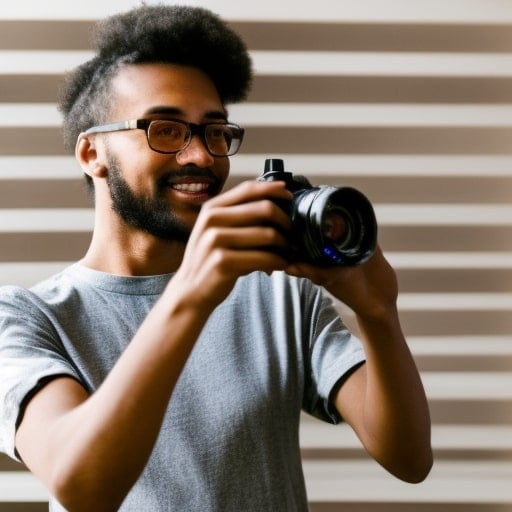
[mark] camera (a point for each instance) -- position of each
(330, 225)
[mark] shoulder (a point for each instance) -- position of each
(38, 298)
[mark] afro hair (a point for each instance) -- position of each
(184, 35)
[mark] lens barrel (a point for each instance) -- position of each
(330, 225)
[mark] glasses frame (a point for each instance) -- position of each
(192, 129)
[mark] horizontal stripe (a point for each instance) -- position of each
(41, 61)
(323, 114)
(329, 165)
(72, 193)
(278, 140)
(53, 167)
(305, 63)
(477, 11)
(455, 280)
(455, 301)
(450, 260)
(334, 89)
(442, 215)
(58, 246)
(341, 36)
(44, 246)
(16, 486)
(38, 193)
(459, 238)
(467, 385)
(28, 274)
(33, 114)
(14, 220)
(443, 321)
(315, 434)
(61, 220)
(367, 140)
(461, 363)
(371, 88)
(453, 345)
(315, 115)
(380, 64)
(470, 412)
(53, 34)
(420, 279)
(449, 482)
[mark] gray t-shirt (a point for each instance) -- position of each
(229, 440)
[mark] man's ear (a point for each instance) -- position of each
(88, 157)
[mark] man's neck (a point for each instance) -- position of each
(133, 254)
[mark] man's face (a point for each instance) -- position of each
(162, 193)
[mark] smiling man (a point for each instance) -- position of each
(167, 370)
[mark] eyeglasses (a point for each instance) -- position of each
(172, 136)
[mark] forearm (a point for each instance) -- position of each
(395, 411)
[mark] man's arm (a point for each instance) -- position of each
(90, 450)
(383, 400)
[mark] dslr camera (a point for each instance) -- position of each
(330, 225)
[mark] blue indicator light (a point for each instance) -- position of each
(331, 254)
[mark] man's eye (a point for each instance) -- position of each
(167, 130)
(170, 131)
(217, 133)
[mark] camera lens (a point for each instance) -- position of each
(330, 226)
(334, 226)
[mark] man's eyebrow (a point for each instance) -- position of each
(175, 111)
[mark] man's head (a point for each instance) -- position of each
(189, 36)
(178, 64)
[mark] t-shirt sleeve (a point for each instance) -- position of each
(333, 352)
(30, 355)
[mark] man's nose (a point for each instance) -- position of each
(195, 153)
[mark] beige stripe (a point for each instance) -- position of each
(43, 246)
(276, 140)
(469, 280)
(71, 193)
(75, 35)
(389, 89)
(38, 193)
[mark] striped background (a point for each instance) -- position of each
(409, 101)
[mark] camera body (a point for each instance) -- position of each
(330, 225)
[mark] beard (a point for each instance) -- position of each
(150, 214)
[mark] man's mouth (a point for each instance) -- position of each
(191, 180)
(192, 188)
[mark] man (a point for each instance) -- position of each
(167, 369)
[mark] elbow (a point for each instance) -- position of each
(416, 468)
(78, 493)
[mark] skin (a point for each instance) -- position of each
(383, 400)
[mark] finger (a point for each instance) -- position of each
(254, 213)
(251, 191)
(261, 238)
(235, 263)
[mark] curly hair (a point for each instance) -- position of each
(183, 35)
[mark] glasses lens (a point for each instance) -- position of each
(223, 139)
(167, 136)
(172, 136)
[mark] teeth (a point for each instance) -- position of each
(191, 187)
